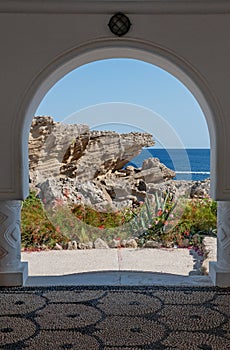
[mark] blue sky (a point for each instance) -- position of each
(125, 95)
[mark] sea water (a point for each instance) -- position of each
(189, 164)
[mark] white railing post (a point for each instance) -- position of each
(12, 271)
(220, 270)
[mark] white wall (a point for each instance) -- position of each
(38, 48)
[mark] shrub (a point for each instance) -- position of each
(100, 219)
(164, 221)
(36, 229)
(199, 218)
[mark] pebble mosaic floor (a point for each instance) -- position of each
(113, 318)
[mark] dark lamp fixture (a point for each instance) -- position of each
(119, 24)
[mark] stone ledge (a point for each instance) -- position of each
(210, 253)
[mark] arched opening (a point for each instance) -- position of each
(115, 49)
(159, 60)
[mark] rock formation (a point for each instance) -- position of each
(76, 152)
(48, 145)
(103, 151)
(71, 164)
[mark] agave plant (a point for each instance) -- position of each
(156, 217)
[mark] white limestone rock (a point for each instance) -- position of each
(115, 243)
(87, 245)
(153, 171)
(131, 243)
(100, 244)
(152, 244)
(58, 247)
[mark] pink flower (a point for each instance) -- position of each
(58, 202)
(66, 192)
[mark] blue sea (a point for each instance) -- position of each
(189, 164)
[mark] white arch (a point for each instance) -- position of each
(118, 48)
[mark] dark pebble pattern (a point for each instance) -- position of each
(115, 318)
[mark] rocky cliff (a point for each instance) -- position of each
(49, 143)
(102, 151)
(74, 151)
(72, 163)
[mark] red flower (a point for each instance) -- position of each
(58, 229)
(160, 212)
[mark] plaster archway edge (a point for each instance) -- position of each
(117, 48)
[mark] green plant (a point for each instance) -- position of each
(199, 218)
(36, 228)
(157, 215)
(182, 223)
(162, 220)
(100, 219)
